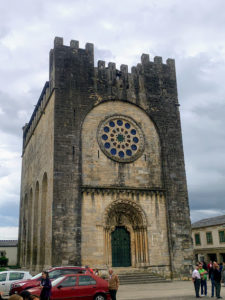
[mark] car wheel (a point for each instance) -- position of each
(99, 297)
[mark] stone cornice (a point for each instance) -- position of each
(216, 248)
(121, 190)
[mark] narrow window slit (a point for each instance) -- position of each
(73, 151)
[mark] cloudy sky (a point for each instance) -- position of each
(192, 32)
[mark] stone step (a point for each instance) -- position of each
(140, 278)
(138, 275)
(142, 282)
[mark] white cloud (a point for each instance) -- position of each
(191, 32)
(9, 233)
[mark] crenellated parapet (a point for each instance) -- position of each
(140, 68)
(74, 45)
(156, 77)
(39, 110)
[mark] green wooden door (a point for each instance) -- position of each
(120, 240)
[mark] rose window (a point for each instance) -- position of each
(120, 138)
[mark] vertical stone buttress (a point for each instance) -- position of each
(72, 74)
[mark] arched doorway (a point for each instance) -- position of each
(120, 242)
(125, 234)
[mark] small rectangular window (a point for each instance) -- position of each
(69, 281)
(197, 239)
(209, 237)
(222, 236)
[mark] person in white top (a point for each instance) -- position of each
(196, 278)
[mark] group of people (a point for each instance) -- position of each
(45, 291)
(216, 274)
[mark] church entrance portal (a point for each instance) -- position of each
(125, 231)
(120, 240)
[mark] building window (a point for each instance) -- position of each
(197, 239)
(209, 237)
(222, 236)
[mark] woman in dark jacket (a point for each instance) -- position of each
(46, 286)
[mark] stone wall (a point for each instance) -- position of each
(37, 165)
(94, 245)
(99, 170)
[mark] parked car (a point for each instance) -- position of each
(77, 286)
(53, 274)
(7, 278)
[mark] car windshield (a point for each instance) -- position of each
(36, 276)
(56, 281)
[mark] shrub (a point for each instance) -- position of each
(3, 261)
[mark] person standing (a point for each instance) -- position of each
(113, 284)
(211, 277)
(46, 286)
(204, 265)
(196, 278)
(209, 265)
(203, 274)
(217, 279)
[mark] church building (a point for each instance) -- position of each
(103, 176)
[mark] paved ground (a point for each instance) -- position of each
(179, 290)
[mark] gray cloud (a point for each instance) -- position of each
(191, 32)
(202, 96)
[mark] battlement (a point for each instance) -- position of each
(145, 61)
(74, 45)
(89, 49)
(37, 113)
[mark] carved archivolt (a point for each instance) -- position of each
(123, 212)
(129, 214)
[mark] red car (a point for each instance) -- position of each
(54, 273)
(78, 286)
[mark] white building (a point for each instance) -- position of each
(209, 239)
(8, 248)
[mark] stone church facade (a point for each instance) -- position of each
(103, 175)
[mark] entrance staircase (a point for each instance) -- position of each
(137, 276)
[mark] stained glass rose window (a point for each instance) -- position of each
(120, 138)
